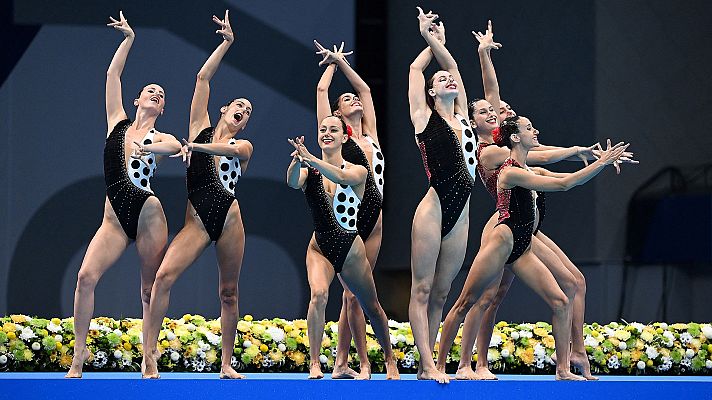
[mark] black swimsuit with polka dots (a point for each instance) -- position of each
(125, 197)
(206, 193)
(371, 203)
(333, 240)
(446, 169)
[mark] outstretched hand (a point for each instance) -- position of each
(121, 25)
(331, 57)
(612, 155)
(185, 152)
(486, 40)
(426, 21)
(589, 153)
(625, 158)
(300, 153)
(225, 29)
(139, 152)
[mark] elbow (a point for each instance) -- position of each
(201, 76)
(565, 185)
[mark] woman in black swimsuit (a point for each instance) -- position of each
(213, 213)
(335, 247)
(362, 148)
(131, 211)
(440, 224)
(510, 240)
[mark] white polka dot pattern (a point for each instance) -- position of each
(378, 163)
(229, 171)
(139, 172)
(346, 205)
(469, 145)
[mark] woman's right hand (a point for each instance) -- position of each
(121, 25)
(332, 57)
(226, 29)
(612, 155)
(486, 40)
(425, 21)
(438, 31)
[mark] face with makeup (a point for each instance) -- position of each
(237, 113)
(483, 116)
(151, 99)
(331, 134)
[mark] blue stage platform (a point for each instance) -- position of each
(107, 385)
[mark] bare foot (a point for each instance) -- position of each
(440, 368)
(227, 372)
(580, 361)
(156, 355)
(80, 357)
(150, 363)
(434, 375)
(343, 373)
(392, 373)
(568, 376)
(315, 370)
(364, 372)
(484, 374)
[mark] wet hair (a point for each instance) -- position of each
(509, 127)
(428, 98)
(471, 109)
(228, 103)
(335, 105)
(344, 128)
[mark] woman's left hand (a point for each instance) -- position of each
(301, 151)
(225, 29)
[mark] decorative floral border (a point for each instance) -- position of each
(192, 344)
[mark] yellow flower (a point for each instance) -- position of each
(11, 335)
(9, 327)
(622, 335)
(509, 346)
(639, 344)
(458, 340)
(527, 356)
(326, 342)
(649, 363)
(646, 336)
(71, 343)
(127, 346)
(679, 326)
(369, 329)
(276, 355)
(258, 329)
(288, 328)
(165, 343)
(540, 332)
(187, 317)
(65, 360)
(247, 317)
(635, 355)
(264, 348)
(615, 341)
(300, 324)
(18, 319)
(659, 330)
(211, 356)
(243, 326)
(595, 333)
(56, 321)
(548, 342)
(58, 345)
(298, 357)
(501, 324)
(28, 354)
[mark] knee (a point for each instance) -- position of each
(228, 296)
(350, 299)
(319, 298)
(146, 295)
(438, 297)
(164, 280)
(87, 280)
(420, 292)
(559, 302)
(580, 283)
(569, 285)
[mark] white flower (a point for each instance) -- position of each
(203, 346)
(515, 335)
(622, 346)
(640, 365)
(651, 352)
(495, 341)
(669, 335)
(118, 354)
(638, 326)
(93, 326)
(277, 333)
(401, 338)
(36, 346)
(246, 344)
(54, 328)
(281, 347)
(689, 353)
(437, 338)
(335, 327)
(525, 334)
(100, 359)
(664, 325)
(666, 365)
(3, 360)
(27, 333)
(685, 362)
(323, 359)
(539, 350)
(708, 363)
(233, 361)
(590, 341)
(170, 335)
(393, 339)
(613, 362)
(609, 332)
(190, 327)
(505, 353)
(685, 338)
(707, 331)
(118, 332)
(391, 324)
(175, 356)
(58, 338)
(212, 338)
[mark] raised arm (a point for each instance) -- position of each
(364, 94)
(511, 177)
(419, 110)
(323, 106)
(489, 77)
(114, 103)
(296, 175)
(199, 118)
(429, 30)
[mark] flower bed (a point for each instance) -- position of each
(192, 343)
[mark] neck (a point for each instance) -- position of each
(519, 154)
(485, 137)
(446, 108)
(223, 130)
(354, 122)
(333, 158)
(144, 120)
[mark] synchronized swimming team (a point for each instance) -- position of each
(344, 191)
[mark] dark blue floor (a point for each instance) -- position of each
(107, 385)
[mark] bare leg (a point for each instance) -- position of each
(151, 239)
(185, 248)
(579, 357)
(230, 249)
(486, 268)
(452, 255)
(537, 276)
(320, 273)
(356, 273)
(425, 238)
(104, 249)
